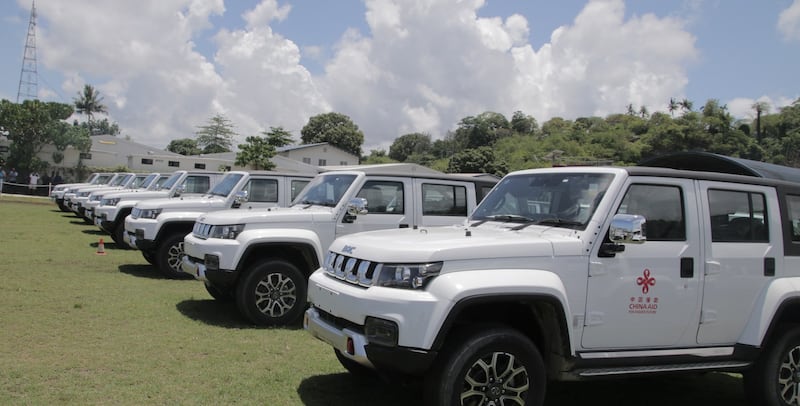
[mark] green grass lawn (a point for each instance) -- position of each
(81, 328)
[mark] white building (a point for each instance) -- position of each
(109, 152)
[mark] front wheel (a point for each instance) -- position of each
(169, 256)
(491, 366)
(774, 380)
(272, 293)
(225, 296)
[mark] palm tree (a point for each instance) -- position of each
(673, 105)
(760, 108)
(89, 102)
(686, 104)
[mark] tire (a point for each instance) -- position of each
(272, 293)
(774, 380)
(118, 235)
(354, 368)
(148, 256)
(217, 294)
(169, 255)
(491, 365)
(63, 207)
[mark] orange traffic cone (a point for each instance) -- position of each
(101, 248)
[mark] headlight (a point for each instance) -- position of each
(406, 276)
(110, 202)
(226, 232)
(149, 213)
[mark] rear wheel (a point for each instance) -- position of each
(774, 380)
(169, 256)
(488, 366)
(272, 293)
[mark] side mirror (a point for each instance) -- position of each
(355, 207)
(240, 198)
(627, 229)
(180, 190)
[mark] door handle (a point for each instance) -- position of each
(687, 267)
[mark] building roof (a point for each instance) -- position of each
(110, 143)
(709, 162)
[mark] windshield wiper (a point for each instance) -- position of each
(508, 218)
(554, 221)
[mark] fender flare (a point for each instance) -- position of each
(252, 240)
(462, 290)
(770, 305)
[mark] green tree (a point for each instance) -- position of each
(31, 125)
(256, 152)
(376, 156)
(410, 144)
(278, 137)
(482, 130)
(216, 136)
(184, 146)
(336, 129)
(523, 123)
(89, 102)
(96, 127)
(477, 160)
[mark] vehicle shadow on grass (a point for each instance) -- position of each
(347, 389)
(221, 314)
(141, 270)
(686, 390)
(707, 389)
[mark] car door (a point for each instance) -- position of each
(388, 206)
(648, 294)
(442, 202)
(742, 255)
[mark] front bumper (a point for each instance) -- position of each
(339, 311)
(405, 361)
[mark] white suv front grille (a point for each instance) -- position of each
(201, 230)
(350, 269)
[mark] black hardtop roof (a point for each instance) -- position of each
(423, 175)
(709, 162)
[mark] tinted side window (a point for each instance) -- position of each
(661, 206)
(737, 216)
(262, 190)
(444, 200)
(197, 184)
(793, 205)
(383, 197)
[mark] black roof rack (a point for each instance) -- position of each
(709, 162)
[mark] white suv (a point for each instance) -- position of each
(577, 273)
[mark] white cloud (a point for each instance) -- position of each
(423, 66)
(742, 107)
(158, 86)
(789, 21)
(426, 51)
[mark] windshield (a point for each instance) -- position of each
(142, 181)
(558, 199)
(227, 184)
(325, 190)
(120, 179)
(170, 182)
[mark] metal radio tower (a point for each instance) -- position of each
(28, 76)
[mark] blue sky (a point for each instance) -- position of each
(397, 66)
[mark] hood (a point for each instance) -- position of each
(459, 243)
(185, 202)
(137, 194)
(294, 214)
